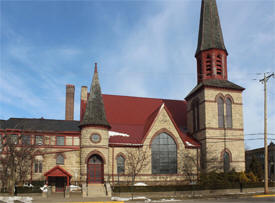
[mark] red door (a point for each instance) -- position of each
(95, 170)
(60, 184)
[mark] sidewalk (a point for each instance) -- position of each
(197, 194)
(74, 197)
(178, 195)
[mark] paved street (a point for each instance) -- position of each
(225, 200)
(74, 199)
(261, 199)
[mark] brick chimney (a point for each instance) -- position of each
(83, 101)
(69, 111)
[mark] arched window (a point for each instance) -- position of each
(196, 117)
(226, 161)
(228, 113)
(220, 112)
(38, 166)
(120, 164)
(59, 159)
(164, 155)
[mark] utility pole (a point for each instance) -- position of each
(264, 81)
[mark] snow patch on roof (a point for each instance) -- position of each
(127, 144)
(188, 143)
(113, 133)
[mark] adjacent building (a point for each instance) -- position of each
(258, 154)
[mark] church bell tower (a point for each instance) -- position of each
(214, 115)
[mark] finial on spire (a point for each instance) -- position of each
(95, 67)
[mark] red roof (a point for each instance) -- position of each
(57, 171)
(135, 115)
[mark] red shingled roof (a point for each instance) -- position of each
(57, 171)
(135, 115)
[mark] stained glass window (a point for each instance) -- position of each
(226, 161)
(120, 164)
(164, 155)
(95, 159)
(59, 159)
(228, 113)
(220, 112)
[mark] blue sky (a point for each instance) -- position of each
(144, 48)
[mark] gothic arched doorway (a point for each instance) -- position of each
(95, 169)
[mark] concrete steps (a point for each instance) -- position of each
(96, 190)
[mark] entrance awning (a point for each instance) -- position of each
(57, 171)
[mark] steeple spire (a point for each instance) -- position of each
(95, 113)
(211, 53)
(210, 32)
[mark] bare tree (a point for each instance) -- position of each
(16, 157)
(190, 168)
(136, 160)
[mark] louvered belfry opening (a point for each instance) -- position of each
(211, 64)
(211, 53)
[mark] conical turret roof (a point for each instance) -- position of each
(210, 32)
(95, 112)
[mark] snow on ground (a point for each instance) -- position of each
(27, 185)
(143, 198)
(129, 198)
(166, 200)
(120, 199)
(44, 188)
(113, 133)
(18, 198)
(74, 188)
(140, 184)
(169, 200)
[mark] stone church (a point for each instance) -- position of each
(206, 127)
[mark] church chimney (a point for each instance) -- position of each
(211, 53)
(83, 101)
(69, 109)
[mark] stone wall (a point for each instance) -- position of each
(216, 140)
(88, 148)
(71, 163)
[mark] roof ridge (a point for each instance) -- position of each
(46, 119)
(162, 99)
